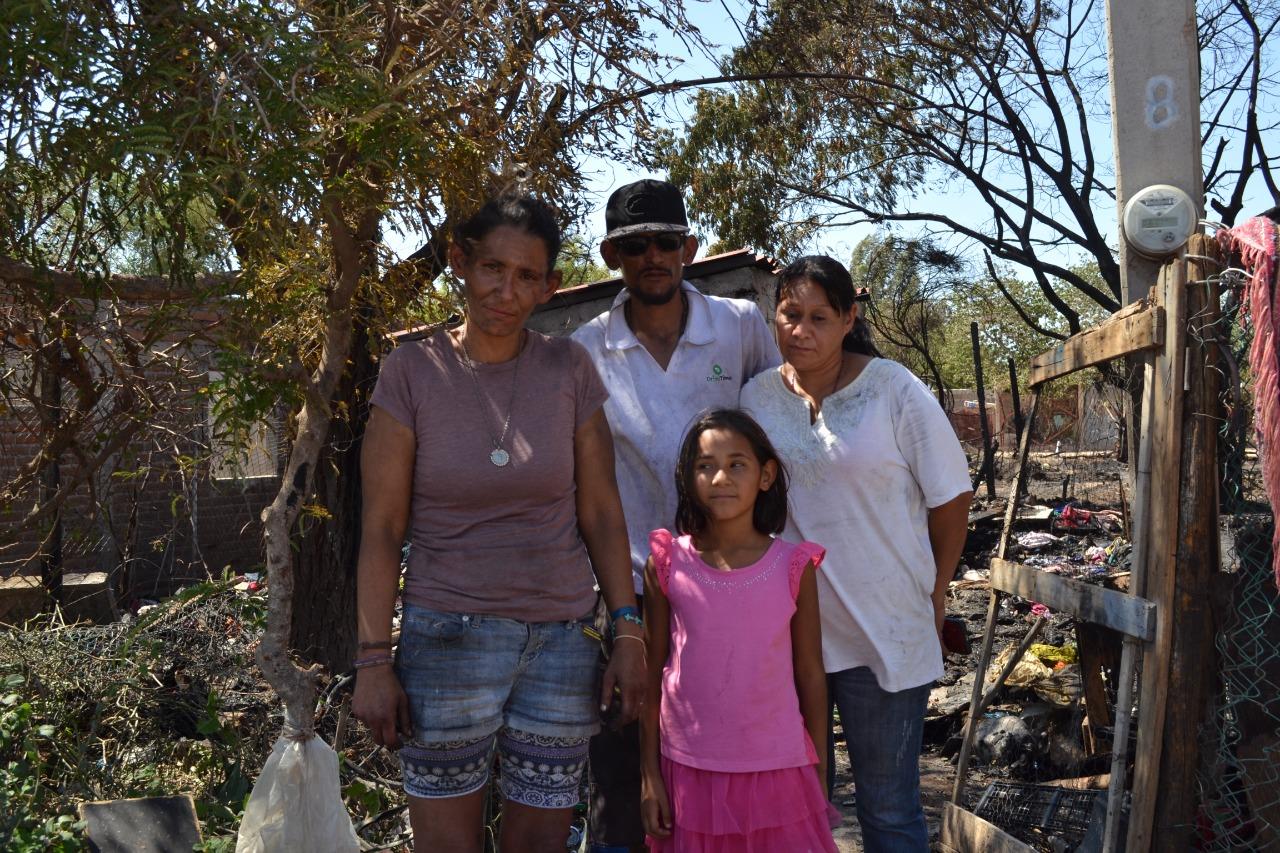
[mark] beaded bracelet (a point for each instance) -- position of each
(373, 661)
(631, 617)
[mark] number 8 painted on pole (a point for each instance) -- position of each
(1162, 108)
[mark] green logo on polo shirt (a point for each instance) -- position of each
(718, 375)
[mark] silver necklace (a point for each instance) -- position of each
(499, 455)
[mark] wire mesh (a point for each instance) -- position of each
(1239, 779)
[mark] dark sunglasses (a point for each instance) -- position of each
(634, 247)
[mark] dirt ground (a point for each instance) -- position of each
(1092, 477)
(936, 779)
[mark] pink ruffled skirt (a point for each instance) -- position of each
(768, 811)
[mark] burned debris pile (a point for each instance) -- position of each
(1041, 752)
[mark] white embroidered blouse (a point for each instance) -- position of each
(863, 476)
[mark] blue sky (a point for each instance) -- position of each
(712, 17)
(954, 198)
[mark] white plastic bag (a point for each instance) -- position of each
(296, 803)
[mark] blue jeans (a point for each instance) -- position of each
(883, 733)
(469, 675)
(476, 683)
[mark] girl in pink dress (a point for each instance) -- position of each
(733, 735)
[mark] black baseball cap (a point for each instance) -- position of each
(645, 207)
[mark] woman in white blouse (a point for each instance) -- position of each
(880, 480)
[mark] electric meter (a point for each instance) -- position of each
(1158, 220)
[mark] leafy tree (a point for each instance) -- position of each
(923, 299)
(1015, 320)
(911, 283)
(840, 112)
(307, 130)
(580, 264)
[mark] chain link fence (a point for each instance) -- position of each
(1239, 781)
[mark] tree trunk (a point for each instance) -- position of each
(324, 626)
(297, 685)
(50, 473)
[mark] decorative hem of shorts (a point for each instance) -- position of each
(542, 772)
(437, 771)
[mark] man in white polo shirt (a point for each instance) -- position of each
(665, 352)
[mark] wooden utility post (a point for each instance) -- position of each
(1154, 62)
(1190, 660)
(1155, 111)
(988, 461)
(1017, 402)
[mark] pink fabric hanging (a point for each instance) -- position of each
(1255, 240)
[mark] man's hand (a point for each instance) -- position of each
(626, 672)
(380, 703)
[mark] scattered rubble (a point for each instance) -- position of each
(1035, 732)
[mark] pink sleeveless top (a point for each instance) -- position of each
(729, 699)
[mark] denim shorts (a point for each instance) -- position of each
(473, 680)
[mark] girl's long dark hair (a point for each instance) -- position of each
(835, 281)
(770, 513)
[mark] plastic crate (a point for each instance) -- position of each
(1036, 813)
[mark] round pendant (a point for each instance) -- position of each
(499, 457)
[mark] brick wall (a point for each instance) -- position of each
(151, 515)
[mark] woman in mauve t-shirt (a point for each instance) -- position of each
(487, 448)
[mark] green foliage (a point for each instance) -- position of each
(277, 142)
(29, 818)
(217, 844)
(911, 282)
(1004, 333)
(174, 705)
(371, 798)
(143, 247)
(762, 159)
(923, 299)
(579, 264)
(774, 159)
(280, 140)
